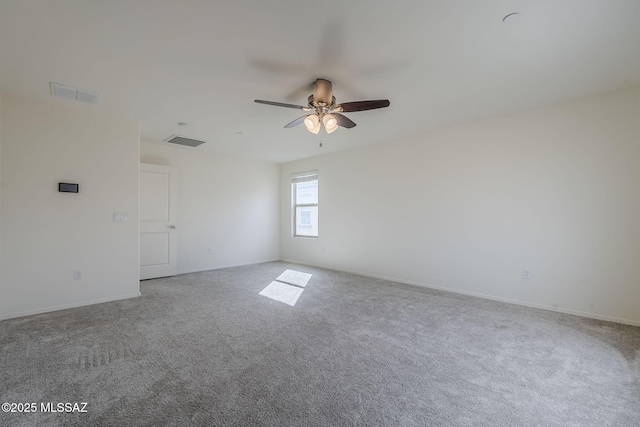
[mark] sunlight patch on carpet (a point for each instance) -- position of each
(282, 292)
(293, 277)
(287, 287)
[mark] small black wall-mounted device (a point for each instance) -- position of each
(65, 187)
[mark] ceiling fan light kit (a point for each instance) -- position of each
(330, 123)
(312, 122)
(325, 111)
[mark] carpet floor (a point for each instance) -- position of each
(342, 350)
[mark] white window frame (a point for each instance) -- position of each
(296, 178)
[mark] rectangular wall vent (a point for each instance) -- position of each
(64, 91)
(181, 140)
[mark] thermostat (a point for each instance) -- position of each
(65, 187)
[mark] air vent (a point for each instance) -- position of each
(69, 92)
(181, 140)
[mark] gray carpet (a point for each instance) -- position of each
(207, 349)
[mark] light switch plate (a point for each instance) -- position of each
(120, 216)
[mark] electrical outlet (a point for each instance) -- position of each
(77, 274)
(210, 251)
(526, 274)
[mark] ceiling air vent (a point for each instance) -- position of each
(181, 140)
(69, 92)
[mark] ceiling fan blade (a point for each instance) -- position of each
(281, 104)
(300, 92)
(296, 122)
(344, 121)
(350, 107)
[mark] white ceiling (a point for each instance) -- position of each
(439, 62)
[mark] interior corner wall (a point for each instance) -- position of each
(228, 208)
(46, 235)
(555, 190)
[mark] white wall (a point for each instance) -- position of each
(555, 190)
(46, 235)
(227, 204)
(0, 193)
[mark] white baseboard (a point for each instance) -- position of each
(478, 295)
(219, 267)
(41, 310)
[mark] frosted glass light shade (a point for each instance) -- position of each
(312, 122)
(330, 123)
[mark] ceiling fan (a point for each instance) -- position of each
(324, 110)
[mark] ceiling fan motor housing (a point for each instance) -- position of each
(322, 93)
(320, 109)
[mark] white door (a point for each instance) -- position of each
(158, 211)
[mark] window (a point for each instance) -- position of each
(304, 194)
